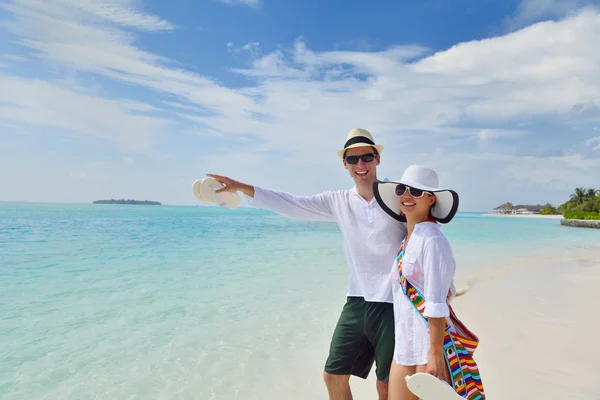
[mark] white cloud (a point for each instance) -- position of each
(592, 141)
(489, 134)
(250, 3)
(14, 58)
(425, 106)
(595, 139)
(66, 35)
(252, 48)
(533, 10)
(120, 12)
(562, 171)
(39, 103)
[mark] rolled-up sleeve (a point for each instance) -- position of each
(316, 208)
(439, 268)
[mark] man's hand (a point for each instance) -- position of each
(232, 185)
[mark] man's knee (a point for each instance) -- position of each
(335, 381)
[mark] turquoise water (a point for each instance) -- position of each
(138, 302)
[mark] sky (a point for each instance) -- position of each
(138, 98)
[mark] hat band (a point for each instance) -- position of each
(358, 139)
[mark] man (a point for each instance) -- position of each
(365, 330)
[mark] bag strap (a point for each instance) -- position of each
(418, 301)
(415, 297)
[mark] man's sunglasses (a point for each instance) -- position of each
(414, 192)
(365, 157)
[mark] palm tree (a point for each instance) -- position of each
(591, 193)
(579, 195)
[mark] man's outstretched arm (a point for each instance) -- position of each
(233, 185)
(316, 208)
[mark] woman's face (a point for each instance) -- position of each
(414, 203)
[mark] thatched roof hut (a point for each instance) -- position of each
(505, 206)
(508, 208)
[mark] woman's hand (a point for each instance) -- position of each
(436, 365)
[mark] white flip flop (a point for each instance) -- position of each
(204, 190)
(196, 189)
(428, 387)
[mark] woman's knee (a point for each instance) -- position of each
(397, 385)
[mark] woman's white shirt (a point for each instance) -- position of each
(429, 265)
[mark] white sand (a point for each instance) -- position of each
(538, 326)
(538, 322)
(525, 216)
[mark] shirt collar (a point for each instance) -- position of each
(355, 191)
(426, 224)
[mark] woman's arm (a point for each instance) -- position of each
(436, 333)
(439, 268)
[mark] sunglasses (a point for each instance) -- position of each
(414, 192)
(365, 157)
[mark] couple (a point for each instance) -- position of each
(385, 225)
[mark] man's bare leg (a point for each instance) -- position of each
(382, 390)
(338, 386)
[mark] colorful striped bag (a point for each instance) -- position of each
(458, 346)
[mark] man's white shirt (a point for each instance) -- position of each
(371, 237)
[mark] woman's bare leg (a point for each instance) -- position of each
(397, 389)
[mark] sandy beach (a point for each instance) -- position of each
(524, 216)
(537, 322)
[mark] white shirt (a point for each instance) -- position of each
(429, 265)
(371, 237)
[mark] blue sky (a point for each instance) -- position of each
(137, 99)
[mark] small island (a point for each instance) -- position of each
(123, 201)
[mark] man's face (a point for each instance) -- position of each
(363, 171)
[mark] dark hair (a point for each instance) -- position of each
(433, 205)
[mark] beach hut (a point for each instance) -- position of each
(506, 208)
(528, 209)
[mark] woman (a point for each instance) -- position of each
(422, 275)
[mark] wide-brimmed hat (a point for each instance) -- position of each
(358, 137)
(419, 177)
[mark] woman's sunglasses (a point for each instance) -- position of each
(414, 192)
(365, 157)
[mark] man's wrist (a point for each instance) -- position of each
(247, 190)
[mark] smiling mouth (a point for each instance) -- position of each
(361, 173)
(407, 204)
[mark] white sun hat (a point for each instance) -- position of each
(204, 190)
(358, 137)
(419, 177)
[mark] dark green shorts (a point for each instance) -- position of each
(364, 334)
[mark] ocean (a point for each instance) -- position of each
(148, 302)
